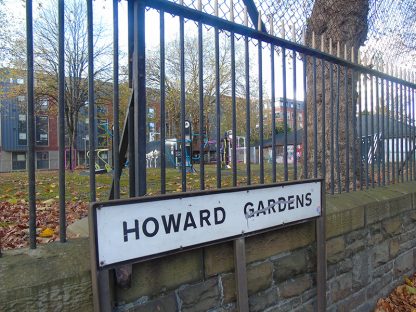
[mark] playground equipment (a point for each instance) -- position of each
(101, 161)
(228, 143)
(187, 158)
(151, 159)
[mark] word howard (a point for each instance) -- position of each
(151, 226)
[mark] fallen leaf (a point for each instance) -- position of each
(48, 232)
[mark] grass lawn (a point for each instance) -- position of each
(14, 185)
(14, 212)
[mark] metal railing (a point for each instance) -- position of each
(357, 129)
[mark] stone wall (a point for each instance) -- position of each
(53, 277)
(371, 239)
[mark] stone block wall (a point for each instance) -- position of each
(53, 277)
(371, 243)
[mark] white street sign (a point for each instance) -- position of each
(144, 227)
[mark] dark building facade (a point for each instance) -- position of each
(13, 132)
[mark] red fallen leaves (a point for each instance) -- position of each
(14, 221)
(402, 299)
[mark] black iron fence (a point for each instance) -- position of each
(298, 111)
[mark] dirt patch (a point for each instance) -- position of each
(14, 221)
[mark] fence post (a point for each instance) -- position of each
(139, 89)
(30, 125)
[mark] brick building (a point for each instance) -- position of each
(13, 130)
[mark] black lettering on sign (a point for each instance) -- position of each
(249, 204)
(260, 208)
(270, 203)
(299, 201)
(291, 200)
(126, 231)
(204, 216)
(172, 222)
(189, 221)
(282, 207)
(155, 229)
(308, 199)
(219, 212)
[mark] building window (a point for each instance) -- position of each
(102, 133)
(43, 105)
(42, 125)
(102, 110)
(22, 130)
(18, 161)
(42, 160)
(151, 112)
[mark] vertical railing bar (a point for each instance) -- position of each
(323, 168)
(360, 132)
(130, 116)
(331, 80)
(401, 167)
(261, 129)
(31, 124)
(182, 100)
(347, 134)
(162, 103)
(61, 117)
(414, 134)
(131, 148)
(393, 155)
(130, 40)
(273, 107)
(387, 107)
(337, 129)
(234, 111)
(397, 134)
(139, 84)
(285, 164)
(409, 116)
(409, 133)
(378, 134)
(405, 131)
(408, 124)
(201, 108)
(383, 138)
(305, 120)
(218, 106)
(116, 101)
(412, 130)
(247, 85)
(315, 121)
(372, 130)
(354, 130)
(91, 106)
(295, 121)
(366, 131)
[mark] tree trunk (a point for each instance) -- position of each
(343, 21)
